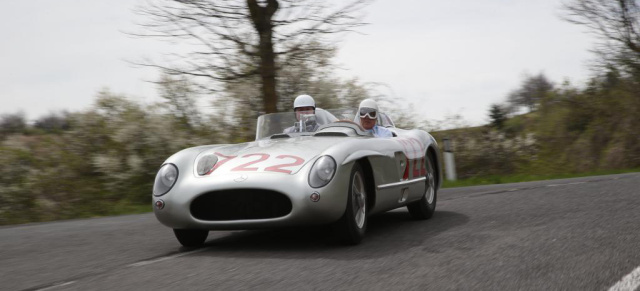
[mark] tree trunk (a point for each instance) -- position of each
(261, 18)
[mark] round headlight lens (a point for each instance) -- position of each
(165, 179)
(322, 172)
(206, 164)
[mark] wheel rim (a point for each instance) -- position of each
(431, 186)
(358, 200)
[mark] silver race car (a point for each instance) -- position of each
(337, 173)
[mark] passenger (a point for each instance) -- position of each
(368, 113)
(305, 108)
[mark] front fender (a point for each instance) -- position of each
(361, 154)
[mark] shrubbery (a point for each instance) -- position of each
(570, 131)
(102, 159)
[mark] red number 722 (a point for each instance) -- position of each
(261, 158)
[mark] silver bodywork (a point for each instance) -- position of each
(274, 164)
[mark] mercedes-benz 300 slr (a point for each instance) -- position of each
(337, 174)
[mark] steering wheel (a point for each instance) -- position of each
(343, 123)
(349, 121)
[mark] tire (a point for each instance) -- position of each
(426, 206)
(353, 223)
(191, 237)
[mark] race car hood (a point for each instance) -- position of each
(286, 155)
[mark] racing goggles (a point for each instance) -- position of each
(368, 112)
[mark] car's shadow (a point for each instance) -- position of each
(387, 233)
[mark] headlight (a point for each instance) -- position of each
(206, 164)
(322, 172)
(165, 179)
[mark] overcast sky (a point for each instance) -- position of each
(445, 57)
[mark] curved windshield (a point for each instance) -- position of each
(350, 114)
(286, 122)
(344, 113)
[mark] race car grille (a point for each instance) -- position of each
(239, 204)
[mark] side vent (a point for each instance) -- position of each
(280, 135)
(330, 133)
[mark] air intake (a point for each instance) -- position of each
(240, 204)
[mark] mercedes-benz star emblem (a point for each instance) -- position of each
(241, 178)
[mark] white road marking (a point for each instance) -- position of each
(148, 262)
(574, 183)
(56, 286)
(629, 282)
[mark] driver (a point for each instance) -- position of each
(368, 113)
(305, 108)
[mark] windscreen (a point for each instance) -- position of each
(286, 122)
(350, 114)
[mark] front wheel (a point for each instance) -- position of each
(353, 224)
(425, 207)
(191, 237)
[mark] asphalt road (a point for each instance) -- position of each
(573, 234)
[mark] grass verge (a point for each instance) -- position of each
(122, 209)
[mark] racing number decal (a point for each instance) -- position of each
(278, 168)
(262, 157)
(423, 160)
(405, 176)
(221, 162)
(243, 167)
(416, 171)
(417, 157)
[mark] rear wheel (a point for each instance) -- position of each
(191, 237)
(425, 207)
(353, 224)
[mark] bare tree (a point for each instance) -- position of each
(180, 101)
(238, 39)
(498, 115)
(531, 92)
(53, 122)
(617, 24)
(12, 123)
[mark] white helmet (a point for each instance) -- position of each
(369, 103)
(304, 101)
(368, 108)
